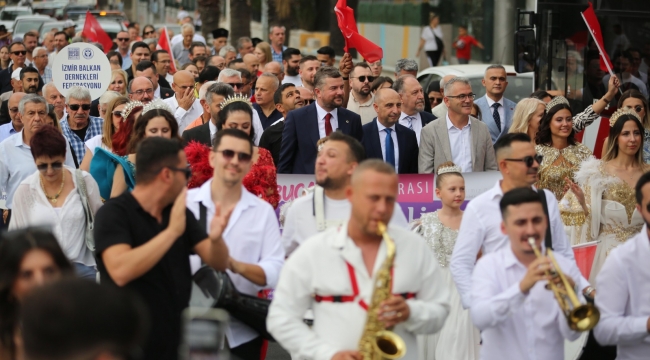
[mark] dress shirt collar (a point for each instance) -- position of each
(205, 196)
(404, 115)
(213, 129)
(510, 259)
(322, 112)
(156, 93)
(381, 127)
(490, 102)
(18, 139)
(278, 120)
(451, 125)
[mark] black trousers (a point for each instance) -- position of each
(594, 351)
(251, 350)
(434, 57)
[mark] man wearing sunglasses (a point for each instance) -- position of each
(144, 239)
(481, 225)
(361, 98)
(79, 127)
(255, 248)
(17, 54)
(122, 40)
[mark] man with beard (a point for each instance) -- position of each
(28, 84)
(413, 115)
(286, 98)
(459, 137)
(481, 225)
(214, 96)
(496, 109)
(361, 98)
(303, 127)
(79, 126)
(30, 39)
(308, 65)
(291, 61)
(327, 206)
(54, 99)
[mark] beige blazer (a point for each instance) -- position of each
(436, 150)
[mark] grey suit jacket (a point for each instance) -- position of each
(488, 117)
(435, 148)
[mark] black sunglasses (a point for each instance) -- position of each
(149, 32)
(19, 52)
(637, 108)
(55, 166)
(75, 107)
(122, 39)
(435, 100)
(363, 78)
(308, 101)
(529, 160)
(236, 85)
(186, 171)
(229, 154)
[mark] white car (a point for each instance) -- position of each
(8, 14)
(520, 86)
(25, 23)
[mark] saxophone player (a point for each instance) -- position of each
(518, 317)
(335, 273)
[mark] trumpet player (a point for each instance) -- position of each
(335, 273)
(518, 317)
(624, 283)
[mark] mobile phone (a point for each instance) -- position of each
(204, 334)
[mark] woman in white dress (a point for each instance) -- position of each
(431, 41)
(458, 339)
(608, 187)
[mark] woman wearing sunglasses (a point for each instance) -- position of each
(149, 32)
(29, 258)
(635, 101)
(112, 121)
(610, 188)
(261, 180)
(53, 197)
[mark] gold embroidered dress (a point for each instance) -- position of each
(612, 217)
(558, 165)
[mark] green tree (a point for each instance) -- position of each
(240, 19)
(210, 11)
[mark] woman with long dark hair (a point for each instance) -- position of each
(635, 101)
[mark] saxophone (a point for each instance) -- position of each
(377, 342)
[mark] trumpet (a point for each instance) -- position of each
(581, 317)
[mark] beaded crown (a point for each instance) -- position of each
(450, 169)
(234, 99)
(620, 112)
(156, 104)
(556, 101)
(129, 108)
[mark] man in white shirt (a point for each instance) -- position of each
(480, 229)
(16, 160)
(309, 65)
(518, 317)
(291, 61)
(256, 254)
(141, 89)
(334, 274)
(361, 98)
(624, 289)
(185, 105)
(327, 206)
(413, 115)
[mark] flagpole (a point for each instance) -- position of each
(601, 51)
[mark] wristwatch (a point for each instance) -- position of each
(588, 291)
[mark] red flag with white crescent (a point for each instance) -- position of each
(94, 32)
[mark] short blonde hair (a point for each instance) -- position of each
(523, 113)
(122, 73)
(266, 49)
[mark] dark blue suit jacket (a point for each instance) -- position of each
(426, 117)
(407, 145)
(300, 135)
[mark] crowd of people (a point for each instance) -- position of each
(167, 174)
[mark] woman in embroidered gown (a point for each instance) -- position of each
(608, 185)
(635, 101)
(261, 180)
(458, 339)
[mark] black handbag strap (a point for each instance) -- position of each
(548, 240)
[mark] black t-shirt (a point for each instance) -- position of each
(167, 287)
(81, 133)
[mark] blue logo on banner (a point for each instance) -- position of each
(88, 53)
(73, 53)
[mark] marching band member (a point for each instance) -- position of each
(519, 318)
(334, 273)
(624, 289)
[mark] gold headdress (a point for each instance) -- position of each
(156, 104)
(556, 101)
(129, 108)
(234, 99)
(620, 112)
(449, 169)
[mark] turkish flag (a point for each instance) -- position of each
(345, 16)
(593, 25)
(164, 44)
(94, 32)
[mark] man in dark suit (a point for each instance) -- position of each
(304, 127)
(215, 94)
(147, 69)
(286, 98)
(384, 138)
(413, 115)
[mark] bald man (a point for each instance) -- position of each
(15, 125)
(306, 95)
(274, 68)
(252, 63)
(186, 107)
(384, 138)
(440, 111)
(141, 89)
(218, 61)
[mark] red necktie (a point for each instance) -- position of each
(328, 124)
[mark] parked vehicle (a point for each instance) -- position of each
(9, 14)
(25, 23)
(111, 27)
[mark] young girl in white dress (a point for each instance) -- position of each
(458, 339)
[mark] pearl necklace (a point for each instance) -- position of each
(54, 198)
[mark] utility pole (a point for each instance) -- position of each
(265, 20)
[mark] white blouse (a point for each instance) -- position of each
(68, 223)
(429, 37)
(95, 142)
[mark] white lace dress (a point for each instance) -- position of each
(458, 339)
(612, 217)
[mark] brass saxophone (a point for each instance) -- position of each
(377, 342)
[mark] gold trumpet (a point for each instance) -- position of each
(581, 317)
